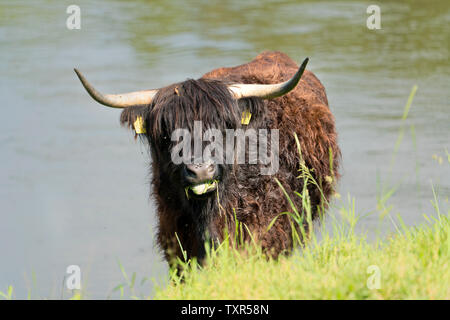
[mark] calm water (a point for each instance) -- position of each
(74, 184)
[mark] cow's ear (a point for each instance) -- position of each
(252, 111)
(135, 118)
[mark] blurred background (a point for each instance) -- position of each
(75, 185)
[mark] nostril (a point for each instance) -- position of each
(190, 173)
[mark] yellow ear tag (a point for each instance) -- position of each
(246, 116)
(139, 126)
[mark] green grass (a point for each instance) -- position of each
(413, 264)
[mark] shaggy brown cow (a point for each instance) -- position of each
(218, 99)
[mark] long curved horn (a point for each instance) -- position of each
(117, 100)
(267, 91)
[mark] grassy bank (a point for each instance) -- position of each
(413, 264)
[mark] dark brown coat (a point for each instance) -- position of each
(256, 199)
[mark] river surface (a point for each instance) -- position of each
(75, 185)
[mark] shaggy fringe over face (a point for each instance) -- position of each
(179, 105)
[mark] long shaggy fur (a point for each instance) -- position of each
(254, 199)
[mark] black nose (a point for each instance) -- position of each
(199, 173)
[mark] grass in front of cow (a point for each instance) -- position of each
(413, 264)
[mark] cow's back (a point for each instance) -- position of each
(272, 67)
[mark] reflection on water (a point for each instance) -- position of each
(75, 185)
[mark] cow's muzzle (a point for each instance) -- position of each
(201, 178)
